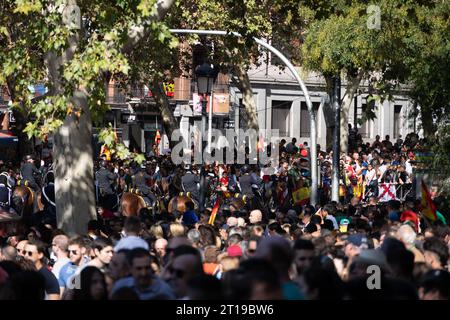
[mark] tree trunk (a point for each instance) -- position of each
(427, 122)
(169, 121)
(73, 165)
(350, 91)
(247, 95)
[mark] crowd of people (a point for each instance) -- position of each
(276, 246)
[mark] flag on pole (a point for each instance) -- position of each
(428, 207)
(214, 211)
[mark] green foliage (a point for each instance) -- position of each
(33, 35)
(410, 47)
(118, 150)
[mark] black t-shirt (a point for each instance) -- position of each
(51, 283)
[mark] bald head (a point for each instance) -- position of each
(255, 216)
(232, 222)
(60, 245)
(8, 253)
(241, 222)
(21, 247)
(160, 247)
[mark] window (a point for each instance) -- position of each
(281, 117)
(397, 120)
(305, 127)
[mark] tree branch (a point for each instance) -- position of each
(138, 32)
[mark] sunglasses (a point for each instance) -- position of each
(74, 252)
(29, 253)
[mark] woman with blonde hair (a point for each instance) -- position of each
(177, 230)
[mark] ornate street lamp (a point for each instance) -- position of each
(206, 75)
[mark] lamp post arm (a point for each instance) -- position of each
(290, 66)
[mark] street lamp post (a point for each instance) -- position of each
(206, 75)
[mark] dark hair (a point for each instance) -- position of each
(86, 275)
(185, 249)
(24, 285)
(10, 267)
(311, 228)
(189, 205)
(330, 208)
(328, 285)
(205, 287)
(78, 241)
(302, 244)
(101, 243)
(234, 239)
(437, 280)
(240, 282)
(137, 253)
(125, 293)
(207, 235)
(41, 247)
(437, 246)
(132, 225)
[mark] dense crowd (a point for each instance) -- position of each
(275, 247)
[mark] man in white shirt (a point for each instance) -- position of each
(60, 252)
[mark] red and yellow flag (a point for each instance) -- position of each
(428, 207)
(214, 211)
(105, 151)
(301, 196)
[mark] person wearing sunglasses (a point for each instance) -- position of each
(68, 276)
(21, 248)
(35, 252)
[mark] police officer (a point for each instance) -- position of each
(140, 182)
(5, 194)
(28, 172)
(105, 181)
(191, 183)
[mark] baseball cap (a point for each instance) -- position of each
(357, 239)
(234, 251)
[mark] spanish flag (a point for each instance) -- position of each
(106, 152)
(428, 207)
(301, 196)
(214, 211)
